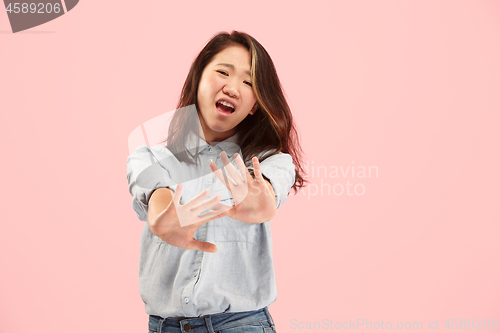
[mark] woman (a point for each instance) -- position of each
(214, 272)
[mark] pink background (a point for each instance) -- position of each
(411, 87)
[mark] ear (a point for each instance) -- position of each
(254, 108)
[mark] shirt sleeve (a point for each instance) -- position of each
(280, 171)
(145, 174)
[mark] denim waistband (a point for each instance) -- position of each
(210, 323)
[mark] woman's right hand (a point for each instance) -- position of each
(177, 224)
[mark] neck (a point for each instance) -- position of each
(211, 136)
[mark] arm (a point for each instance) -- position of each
(145, 174)
(272, 200)
(158, 202)
(279, 171)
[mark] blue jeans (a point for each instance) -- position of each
(236, 322)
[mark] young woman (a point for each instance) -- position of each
(214, 272)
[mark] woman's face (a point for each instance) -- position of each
(226, 77)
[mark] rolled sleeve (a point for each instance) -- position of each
(280, 171)
(144, 175)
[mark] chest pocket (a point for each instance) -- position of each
(227, 229)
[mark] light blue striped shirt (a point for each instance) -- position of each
(176, 282)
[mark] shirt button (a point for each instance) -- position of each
(186, 300)
(195, 274)
(187, 327)
(210, 149)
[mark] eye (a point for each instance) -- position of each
(225, 74)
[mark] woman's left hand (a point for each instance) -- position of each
(253, 198)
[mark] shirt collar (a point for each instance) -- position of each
(229, 145)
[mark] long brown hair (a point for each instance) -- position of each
(270, 128)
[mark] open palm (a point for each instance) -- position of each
(253, 201)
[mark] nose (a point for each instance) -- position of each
(230, 89)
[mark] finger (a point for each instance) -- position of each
(198, 198)
(226, 210)
(207, 204)
(236, 177)
(256, 169)
(217, 171)
(177, 194)
(203, 246)
(219, 207)
(220, 174)
(212, 215)
(242, 167)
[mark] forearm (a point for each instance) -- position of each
(158, 202)
(272, 199)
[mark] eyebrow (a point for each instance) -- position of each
(232, 67)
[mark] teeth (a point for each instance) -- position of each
(227, 104)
